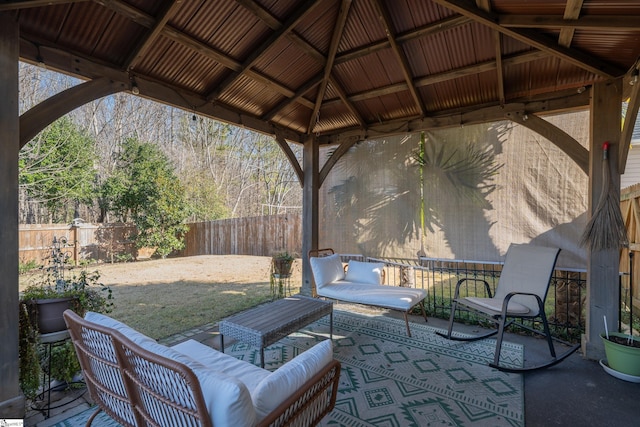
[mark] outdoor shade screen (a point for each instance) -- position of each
(462, 193)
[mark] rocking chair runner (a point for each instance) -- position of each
(520, 294)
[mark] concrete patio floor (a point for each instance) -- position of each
(576, 392)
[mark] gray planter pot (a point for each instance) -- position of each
(49, 314)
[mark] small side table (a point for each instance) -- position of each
(50, 341)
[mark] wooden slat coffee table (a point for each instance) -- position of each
(265, 324)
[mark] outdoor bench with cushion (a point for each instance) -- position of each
(362, 283)
(138, 381)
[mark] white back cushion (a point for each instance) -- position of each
(364, 272)
(288, 378)
(326, 269)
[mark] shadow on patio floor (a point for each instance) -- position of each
(574, 392)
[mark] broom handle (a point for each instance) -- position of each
(605, 150)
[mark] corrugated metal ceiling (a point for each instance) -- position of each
(263, 62)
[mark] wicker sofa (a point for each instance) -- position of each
(361, 283)
(138, 381)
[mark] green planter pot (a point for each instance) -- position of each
(620, 357)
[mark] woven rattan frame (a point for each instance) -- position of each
(139, 388)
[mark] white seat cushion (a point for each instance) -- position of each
(395, 297)
(326, 269)
(287, 379)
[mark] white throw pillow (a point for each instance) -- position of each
(326, 269)
(288, 378)
(364, 272)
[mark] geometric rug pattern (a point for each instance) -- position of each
(389, 379)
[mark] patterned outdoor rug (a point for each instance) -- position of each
(388, 379)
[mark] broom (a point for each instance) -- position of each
(606, 229)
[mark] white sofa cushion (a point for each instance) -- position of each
(396, 297)
(326, 269)
(364, 272)
(227, 399)
(288, 378)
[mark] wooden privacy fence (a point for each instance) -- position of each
(630, 207)
(100, 242)
(261, 236)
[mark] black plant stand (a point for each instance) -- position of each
(50, 341)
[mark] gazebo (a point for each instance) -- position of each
(328, 72)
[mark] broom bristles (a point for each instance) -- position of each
(606, 228)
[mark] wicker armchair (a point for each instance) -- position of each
(137, 387)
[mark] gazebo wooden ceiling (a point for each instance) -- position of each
(339, 69)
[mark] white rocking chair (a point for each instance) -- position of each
(520, 294)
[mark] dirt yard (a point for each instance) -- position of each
(164, 297)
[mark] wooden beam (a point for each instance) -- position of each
(26, 4)
(166, 13)
(160, 92)
(550, 22)
(45, 113)
(427, 30)
(335, 156)
(571, 12)
(445, 76)
(177, 36)
(385, 19)
(293, 19)
(274, 24)
(557, 136)
(535, 39)
(603, 293)
(310, 210)
(290, 156)
(563, 101)
(336, 35)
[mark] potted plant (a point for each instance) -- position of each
(41, 306)
(281, 262)
(623, 353)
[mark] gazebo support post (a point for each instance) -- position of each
(11, 399)
(602, 266)
(310, 214)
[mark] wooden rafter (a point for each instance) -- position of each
(497, 40)
(177, 36)
(535, 39)
(385, 19)
(292, 20)
(318, 56)
(146, 42)
(605, 23)
(26, 4)
(447, 75)
(571, 12)
(431, 29)
(336, 35)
